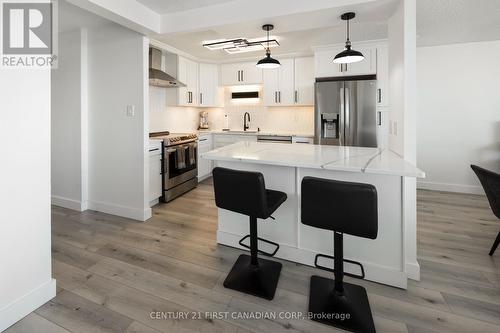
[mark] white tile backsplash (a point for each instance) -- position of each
(295, 119)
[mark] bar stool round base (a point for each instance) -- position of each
(260, 281)
(350, 311)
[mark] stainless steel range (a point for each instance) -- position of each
(180, 163)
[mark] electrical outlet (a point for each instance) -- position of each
(130, 110)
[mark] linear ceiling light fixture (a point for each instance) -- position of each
(348, 55)
(268, 62)
(240, 45)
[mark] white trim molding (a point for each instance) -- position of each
(123, 211)
(68, 203)
(446, 187)
(23, 306)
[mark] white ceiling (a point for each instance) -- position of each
(438, 22)
(170, 6)
(72, 17)
(457, 21)
(296, 33)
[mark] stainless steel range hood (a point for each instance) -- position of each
(157, 77)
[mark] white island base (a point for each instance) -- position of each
(383, 259)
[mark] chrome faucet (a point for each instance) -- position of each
(245, 125)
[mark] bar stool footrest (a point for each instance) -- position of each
(269, 254)
(357, 276)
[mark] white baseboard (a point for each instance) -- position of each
(123, 211)
(20, 308)
(69, 203)
(413, 271)
(373, 272)
(458, 188)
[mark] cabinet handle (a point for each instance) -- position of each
(379, 118)
(279, 96)
(296, 96)
(202, 140)
(275, 97)
(201, 98)
(242, 79)
(379, 95)
(239, 76)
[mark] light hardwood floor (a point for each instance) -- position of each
(112, 273)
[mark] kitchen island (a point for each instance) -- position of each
(385, 259)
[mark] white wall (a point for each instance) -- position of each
(396, 79)
(117, 78)
(25, 275)
(402, 128)
(69, 122)
(169, 118)
(458, 114)
(294, 120)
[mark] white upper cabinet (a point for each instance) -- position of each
(187, 73)
(324, 66)
(291, 84)
(279, 84)
(208, 88)
(304, 81)
(241, 73)
(382, 76)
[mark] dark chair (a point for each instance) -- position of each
(244, 192)
(491, 185)
(341, 207)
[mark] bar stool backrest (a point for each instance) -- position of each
(242, 192)
(491, 185)
(345, 207)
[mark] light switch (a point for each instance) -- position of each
(130, 110)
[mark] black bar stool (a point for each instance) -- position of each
(491, 185)
(244, 192)
(349, 208)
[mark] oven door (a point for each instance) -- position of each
(180, 165)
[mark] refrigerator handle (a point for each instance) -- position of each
(341, 118)
(347, 117)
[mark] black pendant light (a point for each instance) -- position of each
(268, 62)
(348, 55)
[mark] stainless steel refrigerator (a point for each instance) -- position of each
(345, 112)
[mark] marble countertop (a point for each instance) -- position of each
(353, 159)
(255, 133)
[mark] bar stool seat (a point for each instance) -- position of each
(274, 200)
(244, 192)
(342, 207)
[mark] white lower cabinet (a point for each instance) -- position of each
(155, 177)
(204, 166)
(221, 140)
